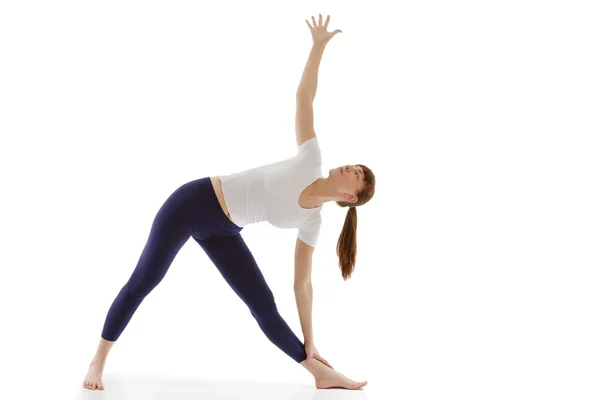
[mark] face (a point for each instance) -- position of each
(350, 179)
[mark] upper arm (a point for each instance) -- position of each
(302, 263)
(304, 119)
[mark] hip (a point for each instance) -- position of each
(216, 183)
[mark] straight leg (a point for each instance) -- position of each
(166, 238)
(168, 234)
(237, 265)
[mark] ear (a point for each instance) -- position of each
(350, 198)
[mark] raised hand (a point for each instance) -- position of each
(319, 31)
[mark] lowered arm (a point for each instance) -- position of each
(303, 287)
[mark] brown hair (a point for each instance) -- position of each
(346, 245)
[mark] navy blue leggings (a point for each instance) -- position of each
(193, 210)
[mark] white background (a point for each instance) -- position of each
(478, 257)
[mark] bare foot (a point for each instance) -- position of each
(327, 378)
(93, 379)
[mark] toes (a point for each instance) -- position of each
(93, 385)
(359, 385)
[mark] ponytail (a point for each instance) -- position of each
(346, 245)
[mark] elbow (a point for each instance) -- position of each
(302, 285)
(304, 95)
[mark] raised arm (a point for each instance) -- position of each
(306, 95)
(307, 89)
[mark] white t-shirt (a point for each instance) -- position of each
(270, 193)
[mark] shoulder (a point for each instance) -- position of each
(312, 222)
(312, 143)
(310, 229)
(311, 150)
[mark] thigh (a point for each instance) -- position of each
(158, 254)
(237, 265)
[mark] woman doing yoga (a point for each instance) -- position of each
(213, 210)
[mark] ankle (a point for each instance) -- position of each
(97, 362)
(306, 362)
(310, 366)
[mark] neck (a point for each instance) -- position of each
(322, 190)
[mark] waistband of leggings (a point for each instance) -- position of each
(228, 224)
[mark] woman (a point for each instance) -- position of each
(213, 211)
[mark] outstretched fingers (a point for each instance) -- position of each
(314, 25)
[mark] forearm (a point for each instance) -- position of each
(308, 83)
(304, 296)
